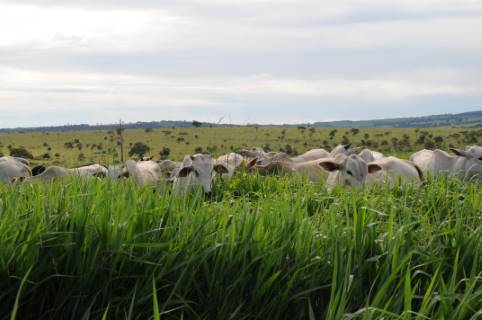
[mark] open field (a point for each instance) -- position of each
(74, 148)
(260, 248)
(257, 248)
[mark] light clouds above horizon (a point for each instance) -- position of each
(64, 61)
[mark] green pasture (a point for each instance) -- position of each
(75, 148)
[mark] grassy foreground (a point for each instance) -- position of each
(261, 248)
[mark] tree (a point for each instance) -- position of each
(354, 131)
(196, 124)
(165, 152)
(139, 149)
(332, 134)
(21, 152)
(120, 139)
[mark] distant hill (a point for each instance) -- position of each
(466, 120)
(113, 126)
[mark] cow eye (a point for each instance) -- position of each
(350, 173)
(197, 173)
(480, 159)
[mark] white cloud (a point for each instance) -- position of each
(62, 57)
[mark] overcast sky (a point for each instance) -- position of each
(264, 61)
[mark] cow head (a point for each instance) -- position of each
(201, 168)
(349, 171)
(344, 149)
(471, 152)
(117, 171)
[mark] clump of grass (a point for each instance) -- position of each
(268, 248)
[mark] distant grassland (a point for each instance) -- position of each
(74, 148)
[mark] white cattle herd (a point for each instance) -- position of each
(342, 166)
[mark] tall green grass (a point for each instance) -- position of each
(259, 248)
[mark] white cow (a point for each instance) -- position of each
(313, 154)
(438, 162)
(145, 172)
(12, 169)
(169, 168)
(196, 171)
(231, 162)
(117, 171)
(474, 152)
(50, 173)
(22, 160)
(339, 170)
(370, 155)
(394, 169)
(344, 149)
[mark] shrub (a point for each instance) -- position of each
(164, 153)
(21, 152)
(69, 145)
(139, 148)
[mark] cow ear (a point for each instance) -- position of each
(184, 172)
(220, 168)
(252, 163)
(373, 167)
(329, 165)
(459, 152)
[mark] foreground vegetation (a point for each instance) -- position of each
(77, 148)
(260, 248)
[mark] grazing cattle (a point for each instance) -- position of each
(231, 162)
(196, 171)
(145, 172)
(438, 162)
(394, 169)
(252, 153)
(11, 169)
(347, 171)
(18, 159)
(50, 173)
(369, 155)
(117, 171)
(344, 149)
(311, 169)
(474, 152)
(261, 156)
(313, 154)
(339, 170)
(169, 168)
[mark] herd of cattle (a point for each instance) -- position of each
(342, 166)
